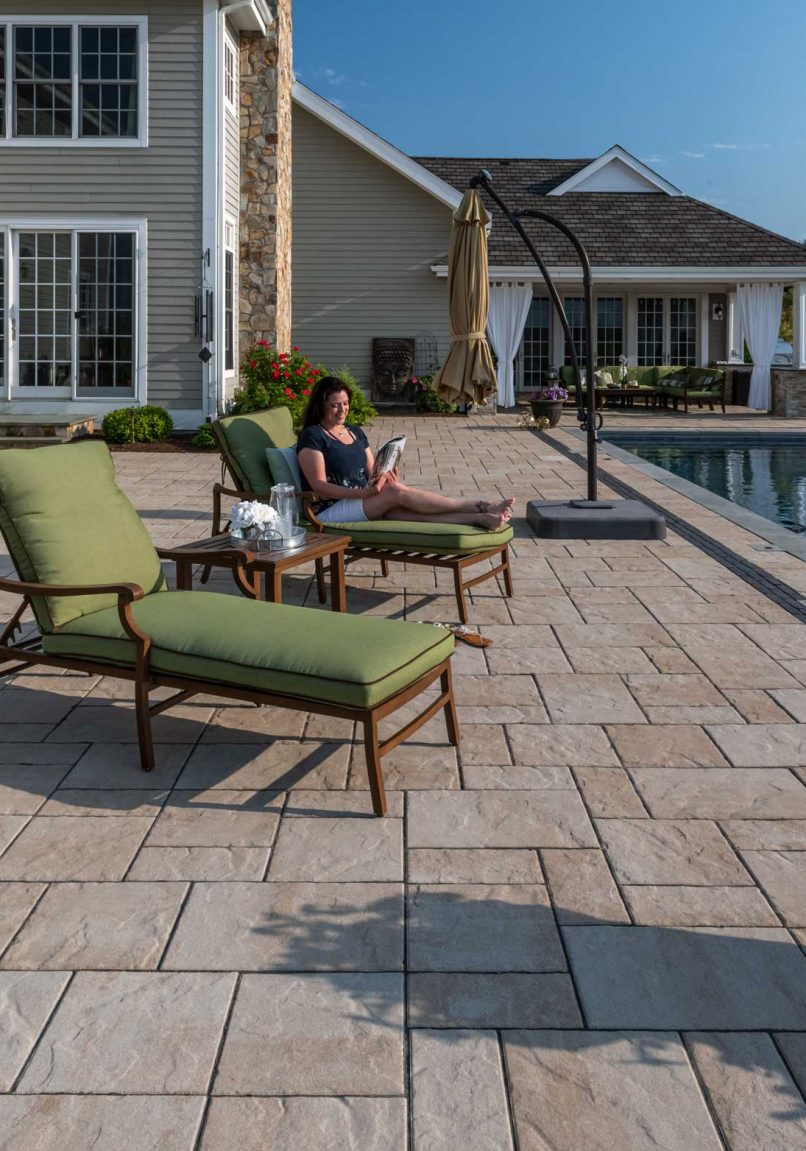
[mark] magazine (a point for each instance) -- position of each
(388, 457)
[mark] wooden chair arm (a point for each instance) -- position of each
(127, 593)
(220, 490)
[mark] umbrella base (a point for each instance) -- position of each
(595, 520)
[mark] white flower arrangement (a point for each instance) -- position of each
(251, 518)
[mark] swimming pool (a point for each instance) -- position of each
(764, 473)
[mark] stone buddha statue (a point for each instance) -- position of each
(392, 367)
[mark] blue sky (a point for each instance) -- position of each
(710, 93)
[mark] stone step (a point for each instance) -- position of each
(43, 427)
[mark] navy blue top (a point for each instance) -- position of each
(345, 464)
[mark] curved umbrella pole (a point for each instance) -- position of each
(588, 417)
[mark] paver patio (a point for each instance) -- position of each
(584, 928)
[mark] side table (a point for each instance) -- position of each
(248, 565)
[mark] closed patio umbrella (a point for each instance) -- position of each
(468, 375)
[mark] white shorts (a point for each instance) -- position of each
(343, 512)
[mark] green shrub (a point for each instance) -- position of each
(273, 379)
(204, 438)
(427, 400)
(137, 425)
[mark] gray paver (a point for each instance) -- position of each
(782, 874)
(738, 978)
(338, 849)
(472, 865)
(344, 1124)
(441, 999)
(634, 1092)
(721, 793)
(458, 1092)
(589, 699)
(97, 925)
(61, 847)
(580, 745)
(769, 834)
(498, 819)
(26, 1000)
(750, 1090)
(670, 851)
(793, 1046)
(582, 888)
(99, 1122)
(23, 788)
(700, 906)
(289, 927)
(193, 863)
(132, 1033)
(112, 765)
(334, 1034)
(763, 744)
(470, 927)
(218, 819)
(16, 900)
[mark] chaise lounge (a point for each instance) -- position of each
(258, 451)
(94, 580)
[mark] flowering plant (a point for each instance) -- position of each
(251, 517)
(555, 392)
(274, 379)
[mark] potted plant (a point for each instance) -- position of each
(547, 403)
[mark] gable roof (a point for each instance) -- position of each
(619, 229)
(614, 167)
(374, 144)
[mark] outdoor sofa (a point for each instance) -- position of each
(258, 450)
(675, 383)
(94, 580)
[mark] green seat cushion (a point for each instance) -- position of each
(317, 655)
(67, 522)
(247, 437)
(442, 539)
(704, 393)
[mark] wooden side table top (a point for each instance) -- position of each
(318, 545)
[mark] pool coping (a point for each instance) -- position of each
(779, 536)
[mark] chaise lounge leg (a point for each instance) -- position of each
(451, 718)
(507, 572)
(459, 589)
(373, 754)
(384, 567)
(144, 735)
(320, 580)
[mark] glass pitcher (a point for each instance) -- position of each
(284, 501)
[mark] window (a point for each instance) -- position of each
(230, 74)
(2, 308)
(63, 82)
(650, 330)
(536, 342)
(108, 82)
(73, 295)
(683, 330)
(575, 311)
(609, 329)
(229, 311)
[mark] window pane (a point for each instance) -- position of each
(45, 313)
(108, 82)
(43, 108)
(609, 329)
(2, 307)
(683, 330)
(650, 330)
(2, 92)
(575, 311)
(229, 314)
(106, 293)
(536, 342)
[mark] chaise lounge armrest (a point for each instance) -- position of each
(127, 594)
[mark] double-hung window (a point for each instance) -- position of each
(535, 347)
(73, 82)
(667, 330)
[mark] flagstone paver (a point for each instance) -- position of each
(235, 947)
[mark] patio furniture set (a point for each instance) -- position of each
(658, 386)
(95, 584)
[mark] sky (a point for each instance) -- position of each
(709, 93)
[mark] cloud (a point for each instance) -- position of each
(725, 147)
(653, 159)
(337, 103)
(337, 79)
(693, 155)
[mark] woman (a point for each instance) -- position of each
(334, 456)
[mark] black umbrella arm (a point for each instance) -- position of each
(587, 415)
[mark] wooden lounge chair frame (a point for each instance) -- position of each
(27, 651)
(456, 562)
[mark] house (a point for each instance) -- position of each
(144, 200)
(372, 229)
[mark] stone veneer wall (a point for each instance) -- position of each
(265, 225)
(789, 393)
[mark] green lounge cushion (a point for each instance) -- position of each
(441, 539)
(284, 467)
(704, 394)
(317, 655)
(67, 522)
(247, 438)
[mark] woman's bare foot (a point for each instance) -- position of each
(502, 507)
(492, 521)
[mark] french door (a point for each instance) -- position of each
(70, 296)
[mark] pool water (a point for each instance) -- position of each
(766, 475)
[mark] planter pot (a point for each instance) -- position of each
(551, 409)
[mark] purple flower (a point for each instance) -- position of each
(554, 393)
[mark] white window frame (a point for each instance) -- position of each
(11, 226)
(231, 75)
(230, 242)
(76, 141)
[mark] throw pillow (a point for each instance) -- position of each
(284, 467)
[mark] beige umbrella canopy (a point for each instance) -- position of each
(468, 375)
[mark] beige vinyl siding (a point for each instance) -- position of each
(161, 183)
(364, 240)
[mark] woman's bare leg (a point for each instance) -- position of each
(490, 520)
(401, 502)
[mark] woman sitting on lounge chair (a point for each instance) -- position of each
(334, 456)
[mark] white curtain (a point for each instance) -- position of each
(760, 309)
(509, 307)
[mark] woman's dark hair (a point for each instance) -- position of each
(327, 386)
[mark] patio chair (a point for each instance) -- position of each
(94, 581)
(244, 440)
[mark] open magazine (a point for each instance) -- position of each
(388, 457)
